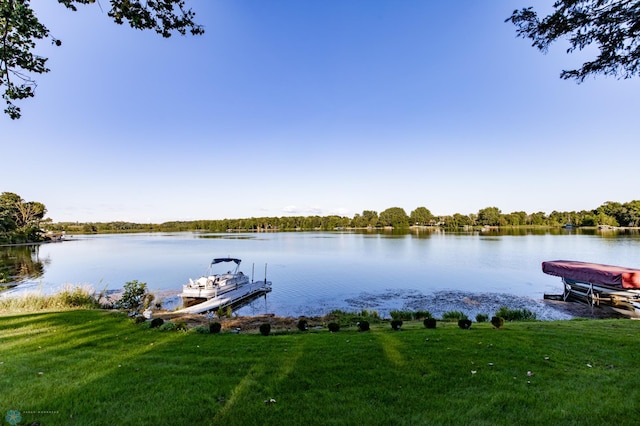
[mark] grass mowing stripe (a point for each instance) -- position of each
(100, 368)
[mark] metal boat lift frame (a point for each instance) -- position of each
(622, 301)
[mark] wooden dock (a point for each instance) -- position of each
(232, 297)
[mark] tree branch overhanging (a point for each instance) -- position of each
(611, 26)
(20, 29)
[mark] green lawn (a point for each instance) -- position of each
(99, 368)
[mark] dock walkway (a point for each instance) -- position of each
(254, 289)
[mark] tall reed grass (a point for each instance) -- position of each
(70, 297)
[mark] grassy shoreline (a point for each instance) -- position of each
(92, 367)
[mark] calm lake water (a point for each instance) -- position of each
(314, 272)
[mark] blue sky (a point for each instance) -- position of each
(289, 107)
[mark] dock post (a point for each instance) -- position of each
(566, 290)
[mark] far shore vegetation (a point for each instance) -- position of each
(609, 214)
(24, 222)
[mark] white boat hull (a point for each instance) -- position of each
(217, 290)
(231, 297)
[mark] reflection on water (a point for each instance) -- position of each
(315, 272)
(20, 263)
(229, 236)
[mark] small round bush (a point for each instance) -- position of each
(464, 324)
(396, 324)
(133, 296)
(333, 327)
(429, 322)
(139, 320)
(265, 329)
(363, 326)
(215, 327)
(156, 322)
(482, 318)
(303, 325)
(182, 326)
(497, 322)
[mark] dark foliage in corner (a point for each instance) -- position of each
(21, 30)
(606, 28)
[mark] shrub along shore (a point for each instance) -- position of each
(94, 367)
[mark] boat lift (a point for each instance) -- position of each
(610, 287)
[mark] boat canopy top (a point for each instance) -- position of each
(225, 259)
(594, 273)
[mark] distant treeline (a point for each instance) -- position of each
(609, 214)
